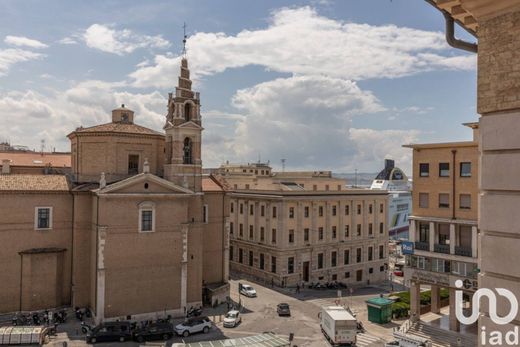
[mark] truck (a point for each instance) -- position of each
(338, 326)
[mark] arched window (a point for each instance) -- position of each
(187, 111)
(187, 151)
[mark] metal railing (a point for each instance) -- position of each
(438, 248)
(422, 246)
(463, 251)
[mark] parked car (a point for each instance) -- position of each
(232, 319)
(154, 331)
(248, 291)
(283, 309)
(109, 332)
(193, 325)
(399, 273)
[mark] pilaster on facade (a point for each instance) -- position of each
(100, 274)
(184, 267)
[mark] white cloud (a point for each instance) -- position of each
(300, 41)
(69, 40)
(305, 119)
(22, 41)
(121, 42)
(11, 56)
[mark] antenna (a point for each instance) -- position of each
(42, 146)
(283, 164)
(356, 179)
(184, 41)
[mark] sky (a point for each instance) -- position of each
(325, 84)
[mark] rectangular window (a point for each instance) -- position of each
(251, 209)
(424, 232)
(291, 236)
(262, 261)
(250, 258)
(273, 265)
(232, 207)
(133, 164)
(290, 265)
(424, 200)
(327, 187)
(205, 213)
(334, 232)
(333, 256)
(320, 211)
(231, 253)
(444, 169)
(381, 228)
(465, 169)
(370, 253)
(320, 233)
(43, 218)
(358, 230)
(347, 274)
(306, 211)
(347, 210)
(381, 208)
(358, 209)
(314, 187)
(347, 231)
(346, 257)
(370, 209)
(274, 211)
(320, 260)
(241, 230)
(444, 200)
(251, 232)
(291, 212)
(231, 228)
(306, 234)
(262, 210)
(370, 231)
(381, 251)
(240, 255)
(381, 268)
(273, 236)
(146, 220)
(262, 234)
(358, 255)
(424, 170)
(371, 270)
(334, 210)
(465, 201)
(241, 208)
(444, 234)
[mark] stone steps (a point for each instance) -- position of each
(441, 337)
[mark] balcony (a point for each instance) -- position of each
(438, 248)
(463, 251)
(422, 246)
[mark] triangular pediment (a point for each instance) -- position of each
(144, 183)
(189, 124)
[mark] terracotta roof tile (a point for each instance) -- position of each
(33, 183)
(125, 128)
(37, 159)
(210, 185)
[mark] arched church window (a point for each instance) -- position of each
(187, 111)
(187, 151)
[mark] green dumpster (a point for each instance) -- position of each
(379, 310)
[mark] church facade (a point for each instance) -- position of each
(135, 229)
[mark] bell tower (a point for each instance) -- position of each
(183, 128)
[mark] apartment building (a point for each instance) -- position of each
(443, 224)
(294, 227)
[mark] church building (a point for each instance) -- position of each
(134, 230)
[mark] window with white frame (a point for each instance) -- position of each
(43, 218)
(146, 217)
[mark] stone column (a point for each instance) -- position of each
(474, 242)
(184, 268)
(454, 322)
(412, 234)
(432, 236)
(225, 272)
(435, 299)
(453, 237)
(100, 274)
(415, 301)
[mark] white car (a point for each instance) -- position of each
(193, 325)
(232, 319)
(248, 291)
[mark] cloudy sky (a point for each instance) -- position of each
(325, 84)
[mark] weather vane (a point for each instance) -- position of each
(184, 41)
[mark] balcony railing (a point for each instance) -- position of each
(463, 251)
(422, 246)
(438, 248)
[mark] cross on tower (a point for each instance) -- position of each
(184, 41)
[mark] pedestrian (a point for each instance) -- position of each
(297, 288)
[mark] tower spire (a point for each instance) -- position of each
(184, 39)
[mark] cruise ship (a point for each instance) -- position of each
(395, 181)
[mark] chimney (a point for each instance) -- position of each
(6, 166)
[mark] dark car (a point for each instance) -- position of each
(109, 332)
(283, 309)
(154, 331)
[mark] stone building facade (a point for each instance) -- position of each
(443, 224)
(302, 227)
(129, 232)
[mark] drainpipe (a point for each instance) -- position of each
(454, 153)
(450, 32)
(72, 296)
